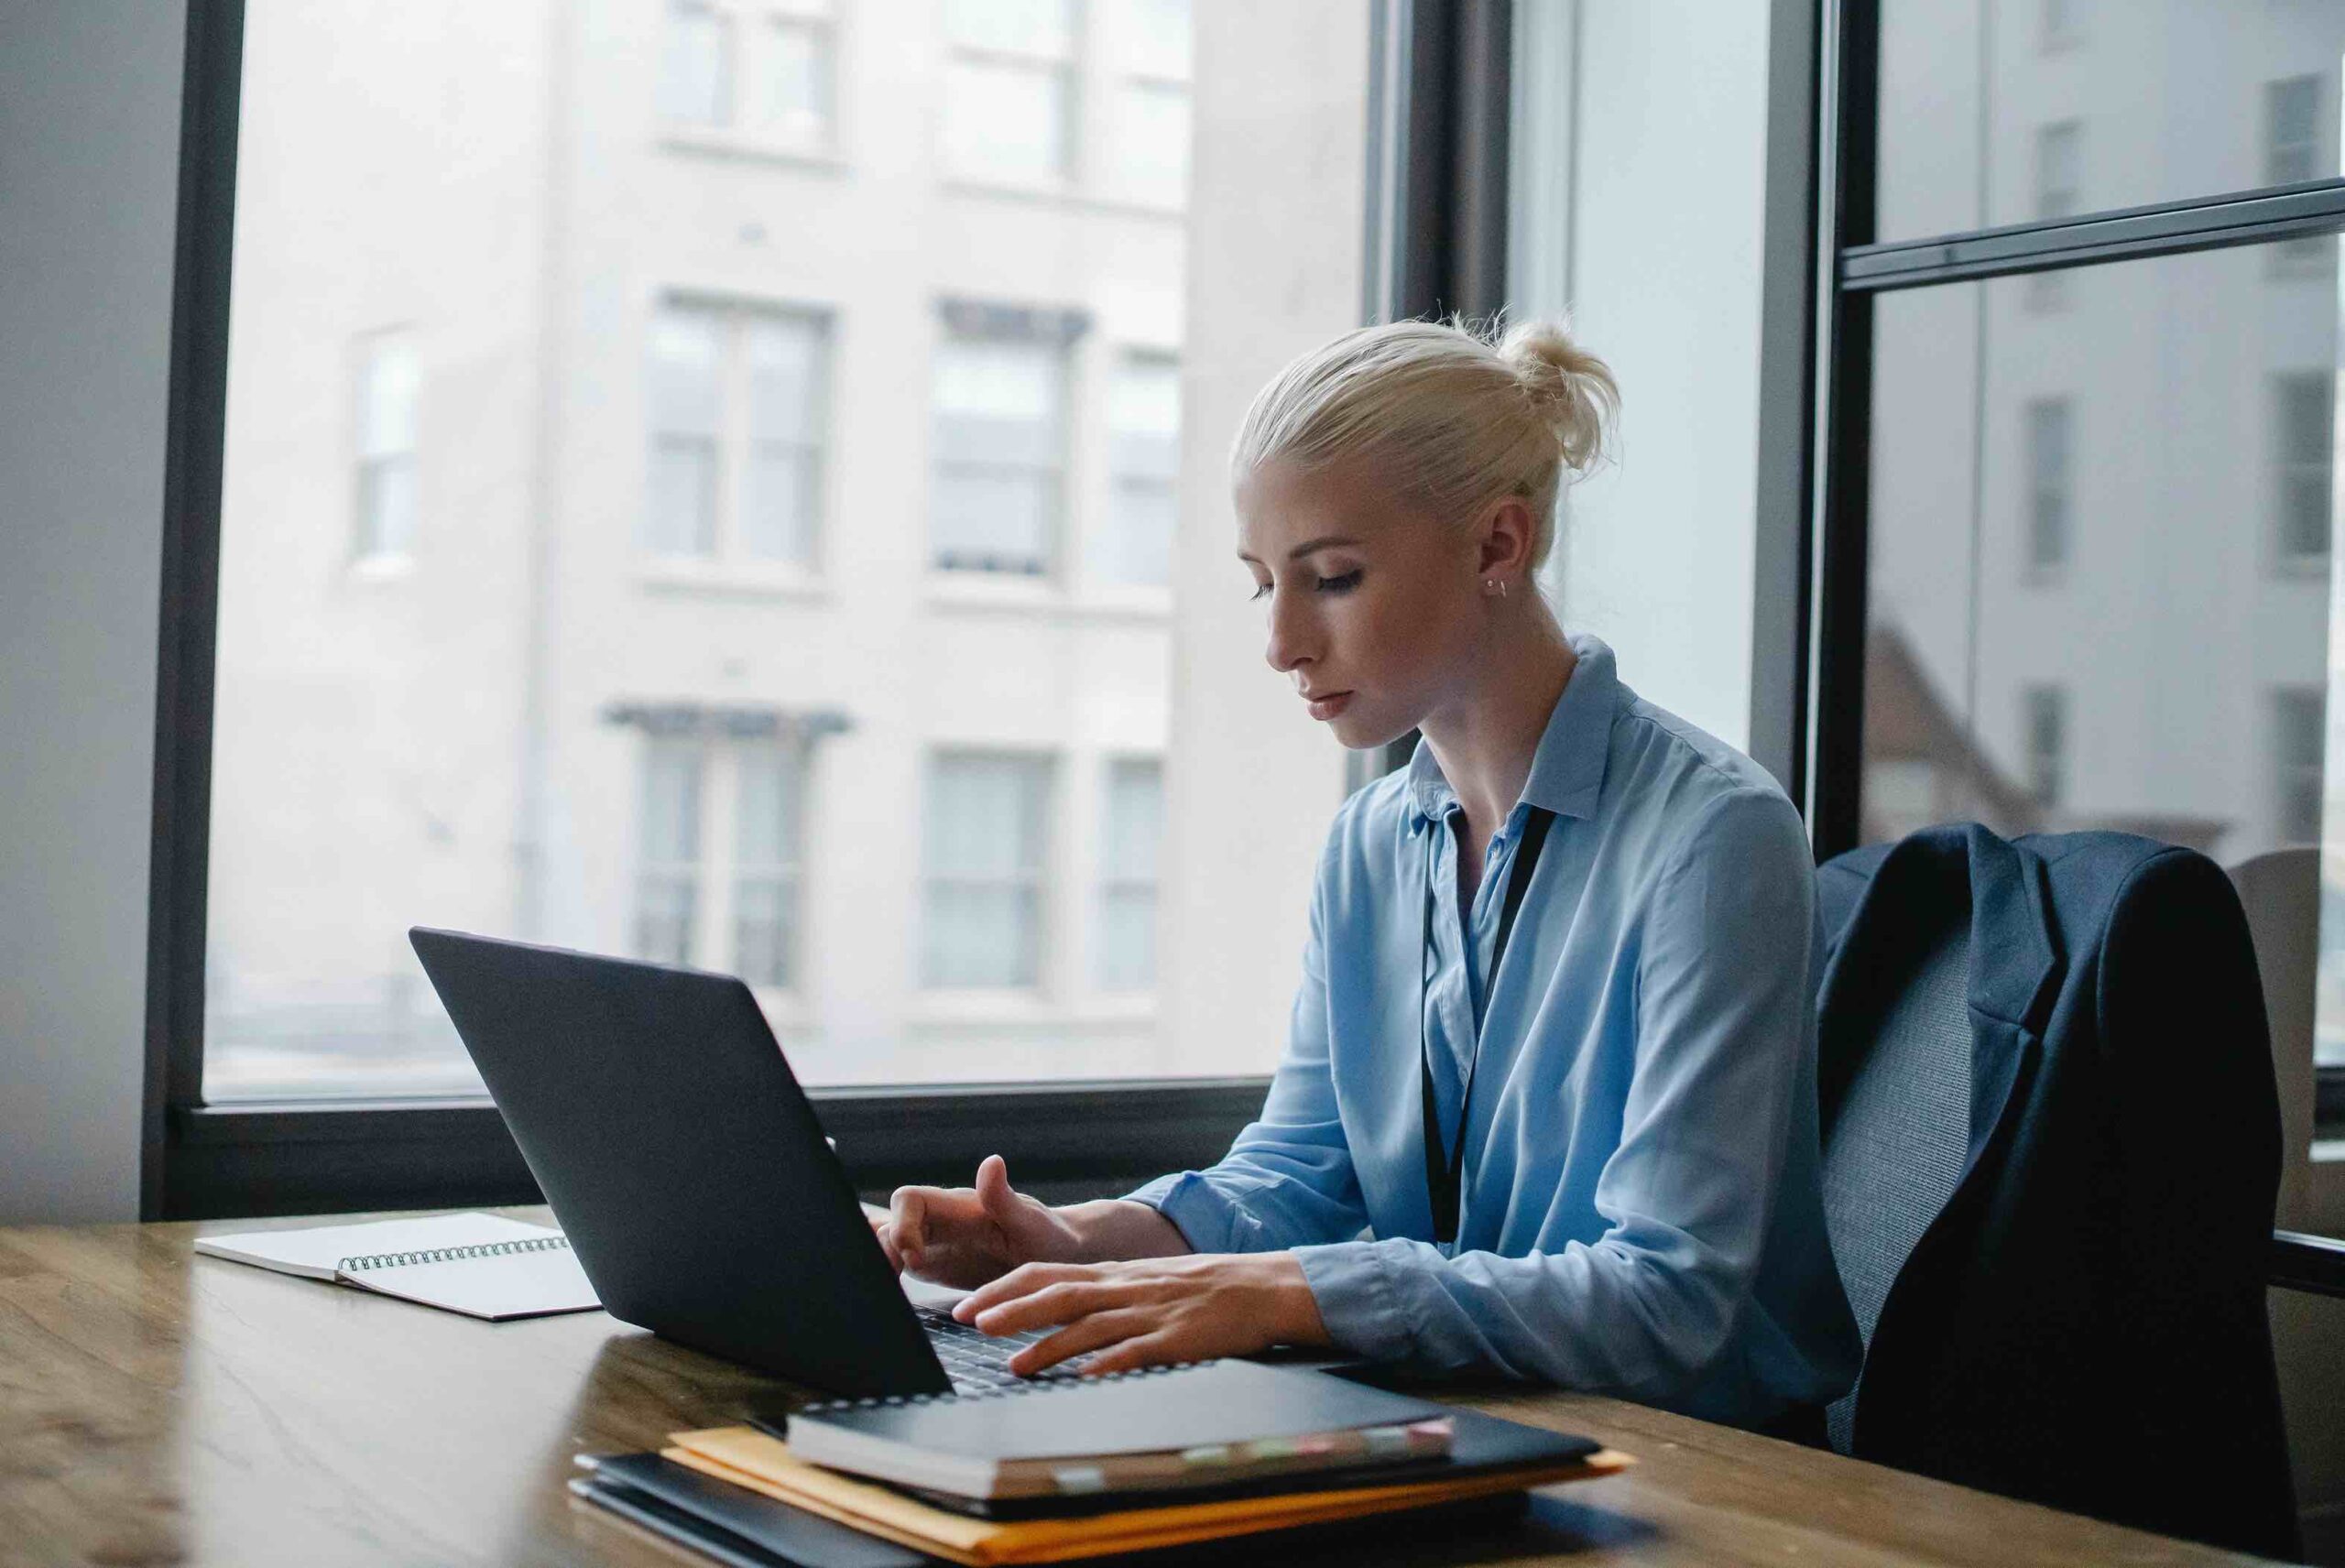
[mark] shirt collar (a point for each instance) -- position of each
(1567, 770)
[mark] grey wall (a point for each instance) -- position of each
(88, 175)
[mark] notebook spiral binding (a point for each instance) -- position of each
(451, 1254)
(1040, 1385)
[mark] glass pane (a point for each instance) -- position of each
(692, 65)
(1157, 37)
(2172, 430)
(654, 373)
(1133, 820)
(797, 72)
(985, 817)
(2004, 111)
(1127, 951)
(1006, 120)
(1156, 142)
(1044, 29)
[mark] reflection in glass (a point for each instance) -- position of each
(1997, 111)
(2168, 680)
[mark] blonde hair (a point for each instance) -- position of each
(1457, 416)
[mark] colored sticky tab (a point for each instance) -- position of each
(1080, 1478)
(1383, 1439)
(1273, 1448)
(1209, 1453)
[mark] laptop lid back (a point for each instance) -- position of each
(657, 1113)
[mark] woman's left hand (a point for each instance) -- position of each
(1150, 1310)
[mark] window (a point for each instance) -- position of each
(737, 402)
(2299, 743)
(1131, 824)
(2302, 441)
(1153, 100)
(696, 64)
(388, 381)
(2063, 24)
(1009, 90)
(720, 442)
(718, 843)
(1000, 451)
(2046, 712)
(766, 865)
(2049, 435)
(763, 73)
(2291, 156)
(2059, 181)
(1144, 454)
(666, 875)
(983, 855)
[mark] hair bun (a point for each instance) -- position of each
(1571, 387)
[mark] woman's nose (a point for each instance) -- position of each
(1289, 644)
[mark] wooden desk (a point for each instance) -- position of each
(157, 1407)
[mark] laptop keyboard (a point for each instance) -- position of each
(978, 1361)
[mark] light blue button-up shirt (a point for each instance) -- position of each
(1640, 1211)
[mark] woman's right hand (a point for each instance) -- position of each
(965, 1236)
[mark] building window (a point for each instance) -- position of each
(766, 857)
(738, 406)
(697, 65)
(1131, 823)
(767, 70)
(1153, 101)
(1144, 461)
(2063, 24)
(1000, 451)
(388, 380)
(2298, 744)
(1009, 109)
(2051, 466)
(719, 839)
(2291, 156)
(2059, 193)
(982, 854)
(2303, 437)
(666, 875)
(2045, 710)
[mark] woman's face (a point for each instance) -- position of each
(1374, 607)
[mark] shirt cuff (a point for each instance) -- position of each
(1359, 1300)
(1205, 1218)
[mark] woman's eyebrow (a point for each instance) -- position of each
(1324, 541)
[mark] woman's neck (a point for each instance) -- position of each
(1486, 739)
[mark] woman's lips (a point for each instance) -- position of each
(1328, 706)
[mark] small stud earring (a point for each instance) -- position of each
(1494, 586)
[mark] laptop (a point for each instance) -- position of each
(655, 1108)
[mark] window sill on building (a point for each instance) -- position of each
(1067, 194)
(963, 1008)
(383, 568)
(1018, 594)
(737, 579)
(719, 142)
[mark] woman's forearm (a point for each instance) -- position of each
(1114, 1228)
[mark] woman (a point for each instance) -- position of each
(1548, 1106)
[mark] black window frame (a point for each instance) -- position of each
(1855, 269)
(1436, 161)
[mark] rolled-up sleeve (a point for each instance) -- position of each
(1721, 1025)
(1288, 1179)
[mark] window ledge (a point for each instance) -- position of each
(382, 568)
(751, 148)
(1027, 1009)
(735, 579)
(1067, 196)
(984, 591)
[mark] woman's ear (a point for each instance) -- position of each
(1507, 534)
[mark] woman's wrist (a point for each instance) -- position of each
(1109, 1230)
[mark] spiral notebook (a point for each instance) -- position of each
(481, 1265)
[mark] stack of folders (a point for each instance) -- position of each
(1068, 1469)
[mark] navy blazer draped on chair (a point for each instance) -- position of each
(2082, 1323)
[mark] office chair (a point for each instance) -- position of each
(2050, 1155)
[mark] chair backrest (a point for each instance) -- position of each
(1894, 1146)
(2281, 893)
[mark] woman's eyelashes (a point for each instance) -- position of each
(1343, 583)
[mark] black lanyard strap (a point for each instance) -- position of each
(1444, 1177)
